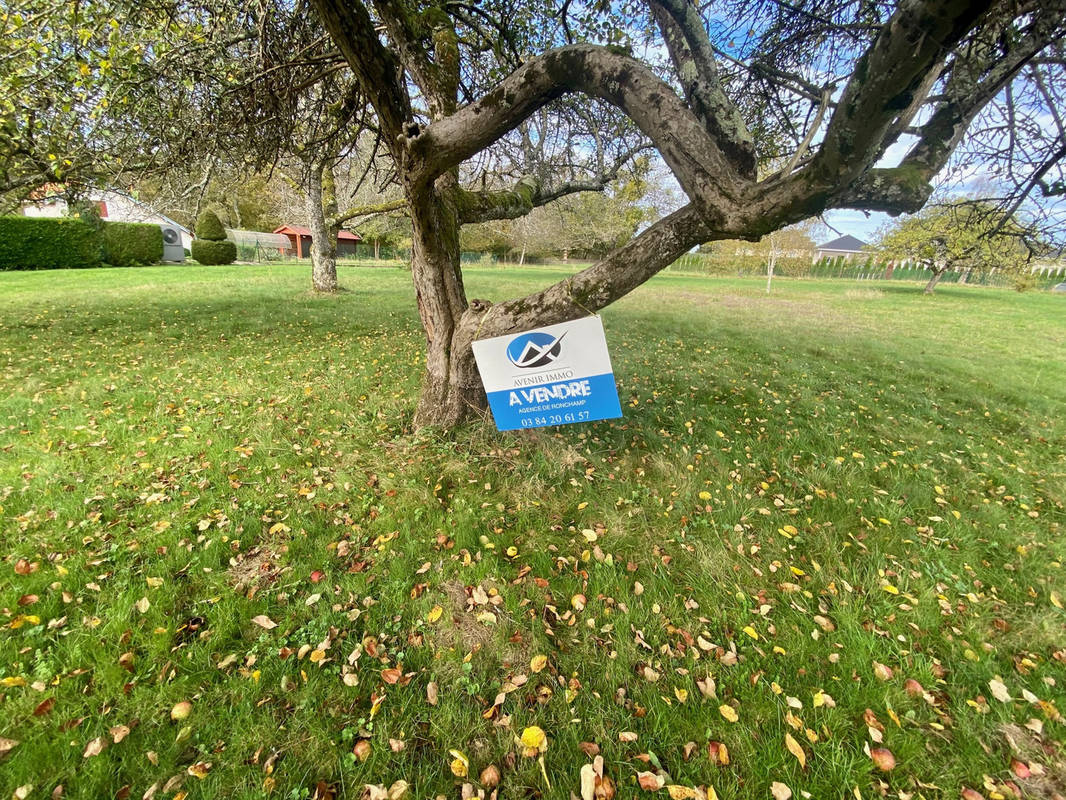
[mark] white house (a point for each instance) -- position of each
(847, 247)
(114, 207)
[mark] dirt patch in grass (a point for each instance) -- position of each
(257, 568)
(470, 624)
(1043, 763)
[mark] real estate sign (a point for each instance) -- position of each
(549, 376)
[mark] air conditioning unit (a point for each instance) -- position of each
(172, 247)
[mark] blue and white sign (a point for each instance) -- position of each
(549, 376)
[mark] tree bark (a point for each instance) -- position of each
(451, 389)
(934, 280)
(321, 199)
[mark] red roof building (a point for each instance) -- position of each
(300, 237)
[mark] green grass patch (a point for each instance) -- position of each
(804, 485)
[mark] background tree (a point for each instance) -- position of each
(961, 236)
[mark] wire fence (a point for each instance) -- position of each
(1040, 277)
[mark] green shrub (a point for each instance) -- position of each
(210, 245)
(208, 252)
(209, 226)
(48, 243)
(128, 243)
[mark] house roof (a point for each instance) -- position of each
(300, 230)
(845, 244)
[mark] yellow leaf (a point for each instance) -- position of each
(681, 695)
(728, 712)
(705, 495)
(888, 587)
(794, 748)
(534, 738)
(680, 792)
(460, 764)
(751, 632)
(1056, 600)
(434, 614)
(537, 663)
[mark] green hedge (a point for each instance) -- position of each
(129, 243)
(208, 252)
(48, 243)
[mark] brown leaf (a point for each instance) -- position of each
(7, 745)
(95, 747)
(490, 776)
(431, 693)
(591, 749)
(391, 675)
(44, 707)
(649, 781)
(119, 732)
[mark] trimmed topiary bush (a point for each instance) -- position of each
(48, 243)
(129, 243)
(210, 245)
(210, 253)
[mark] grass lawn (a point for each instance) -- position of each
(831, 522)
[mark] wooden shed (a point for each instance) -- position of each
(300, 237)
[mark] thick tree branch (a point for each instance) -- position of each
(378, 73)
(886, 83)
(372, 209)
(706, 175)
(693, 56)
(604, 282)
(946, 127)
(437, 77)
(529, 193)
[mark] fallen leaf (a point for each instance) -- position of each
(882, 672)
(434, 614)
(794, 748)
(460, 764)
(119, 732)
(432, 693)
(999, 690)
(490, 776)
(537, 663)
(780, 791)
(263, 621)
(7, 745)
(534, 741)
(181, 710)
(95, 747)
(677, 792)
(718, 753)
(728, 712)
(649, 781)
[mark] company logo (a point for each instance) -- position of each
(534, 349)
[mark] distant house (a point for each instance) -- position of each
(846, 247)
(300, 237)
(114, 207)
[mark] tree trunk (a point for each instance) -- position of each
(451, 388)
(933, 281)
(321, 201)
